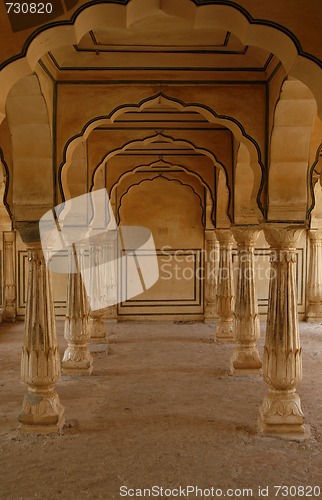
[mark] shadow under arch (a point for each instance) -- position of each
(311, 181)
(158, 176)
(160, 98)
(190, 173)
(4, 171)
(290, 152)
(134, 170)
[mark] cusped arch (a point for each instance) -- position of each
(160, 98)
(156, 138)
(133, 171)
(175, 142)
(190, 173)
(231, 17)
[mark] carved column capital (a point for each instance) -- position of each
(225, 237)
(282, 236)
(29, 231)
(246, 236)
(315, 235)
(210, 237)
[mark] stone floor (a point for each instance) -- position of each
(160, 409)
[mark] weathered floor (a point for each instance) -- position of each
(160, 409)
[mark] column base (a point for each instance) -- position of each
(42, 412)
(314, 313)
(77, 360)
(225, 331)
(281, 415)
(245, 361)
(97, 330)
(110, 314)
(9, 314)
(210, 314)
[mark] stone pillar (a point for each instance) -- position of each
(77, 359)
(40, 362)
(245, 359)
(281, 413)
(314, 285)
(225, 288)
(97, 330)
(110, 278)
(9, 313)
(211, 271)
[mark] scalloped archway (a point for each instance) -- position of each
(231, 123)
(274, 38)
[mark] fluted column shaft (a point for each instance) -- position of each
(314, 285)
(211, 271)
(97, 331)
(225, 288)
(110, 278)
(9, 276)
(40, 362)
(77, 359)
(245, 359)
(281, 412)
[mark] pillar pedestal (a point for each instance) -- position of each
(245, 359)
(225, 289)
(281, 414)
(42, 411)
(314, 285)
